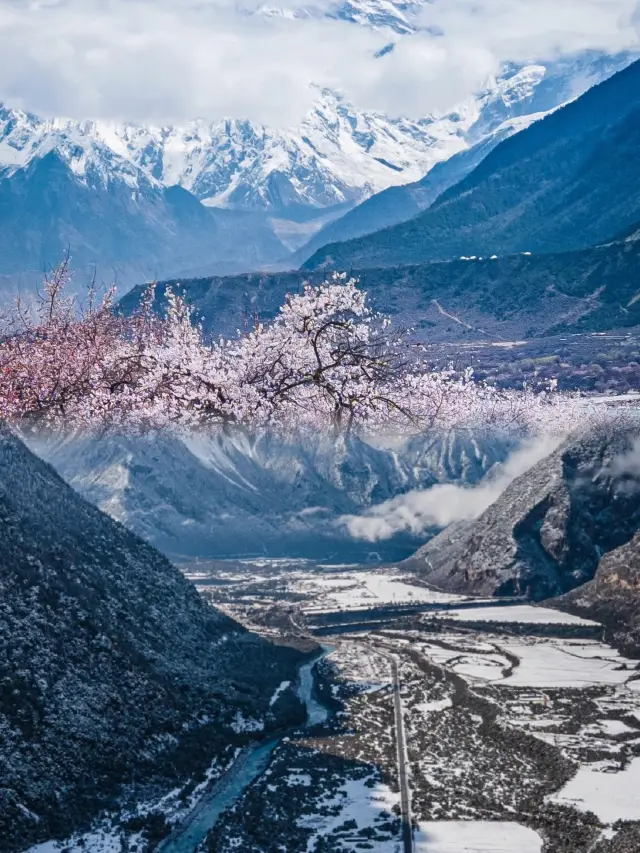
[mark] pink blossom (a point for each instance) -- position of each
(327, 361)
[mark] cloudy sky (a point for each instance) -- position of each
(172, 60)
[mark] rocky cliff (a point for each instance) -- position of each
(613, 596)
(548, 532)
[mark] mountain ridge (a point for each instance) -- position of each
(572, 518)
(588, 291)
(565, 182)
(136, 203)
(45, 212)
(238, 495)
(401, 203)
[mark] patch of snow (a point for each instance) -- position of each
(476, 836)
(612, 728)
(92, 842)
(279, 690)
(299, 779)
(542, 662)
(524, 613)
(361, 590)
(435, 706)
(356, 802)
(610, 796)
(566, 664)
(246, 724)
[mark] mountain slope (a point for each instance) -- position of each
(108, 191)
(337, 155)
(399, 204)
(594, 290)
(111, 666)
(132, 226)
(566, 182)
(233, 495)
(548, 531)
(613, 596)
(511, 104)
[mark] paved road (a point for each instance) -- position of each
(405, 797)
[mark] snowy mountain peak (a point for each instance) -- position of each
(338, 155)
(25, 138)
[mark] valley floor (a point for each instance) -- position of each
(521, 727)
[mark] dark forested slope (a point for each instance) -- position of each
(111, 666)
(566, 182)
(593, 290)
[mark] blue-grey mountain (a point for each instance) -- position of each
(566, 182)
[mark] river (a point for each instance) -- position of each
(250, 763)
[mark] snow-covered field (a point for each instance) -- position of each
(476, 836)
(358, 802)
(523, 613)
(566, 663)
(357, 590)
(533, 662)
(611, 796)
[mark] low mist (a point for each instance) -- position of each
(419, 511)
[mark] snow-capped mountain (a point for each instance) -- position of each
(399, 17)
(125, 198)
(338, 155)
(561, 185)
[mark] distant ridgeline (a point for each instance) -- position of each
(590, 290)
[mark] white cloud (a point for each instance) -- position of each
(536, 29)
(421, 510)
(172, 60)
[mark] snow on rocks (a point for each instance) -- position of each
(279, 690)
(242, 724)
(338, 154)
(93, 842)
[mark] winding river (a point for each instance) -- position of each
(250, 763)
